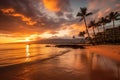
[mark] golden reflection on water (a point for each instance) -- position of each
(27, 53)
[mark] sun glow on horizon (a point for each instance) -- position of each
(34, 37)
(27, 40)
(31, 38)
(46, 35)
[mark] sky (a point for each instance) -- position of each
(23, 20)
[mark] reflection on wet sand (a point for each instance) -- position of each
(103, 68)
(61, 64)
(118, 70)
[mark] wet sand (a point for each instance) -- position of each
(111, 51)
(76, 64)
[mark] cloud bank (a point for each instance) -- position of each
(48, 16)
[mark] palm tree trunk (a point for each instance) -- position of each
(86, 27)
(98, 32)
(114, 37)
(94, 30)
(94, 34)
(113, 24)
(87, 30)
(104, 32)
(98, 29)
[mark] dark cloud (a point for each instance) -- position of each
(59, 13)
(18, 21)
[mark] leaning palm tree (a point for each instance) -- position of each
(83, 14)
(112, 17)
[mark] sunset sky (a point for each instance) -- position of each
(22, 20)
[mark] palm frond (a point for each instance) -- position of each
(90, 13)
(91, 24)
(79, 14)
(113, 15)
(83, 10)
(117, 19)
(116, 14)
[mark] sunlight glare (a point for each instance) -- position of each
(27, 39)
(27, 53)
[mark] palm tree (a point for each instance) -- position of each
(83, 14)
(73, 37)
(81, 34)
(103, 22)
(112, 17)
(92, 24)
(97, 26)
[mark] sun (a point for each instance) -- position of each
(31, 37)
(27, 40)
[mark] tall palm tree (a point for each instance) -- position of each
(103, 22)
(92, 24)
(83, 14)
(97, 26)
(112, 17)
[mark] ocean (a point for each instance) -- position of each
(11, 54)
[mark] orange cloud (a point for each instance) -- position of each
(12, 12)
(79, 27)
(108, 10)
(100, 14)
(73, 29)
(52, 5)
